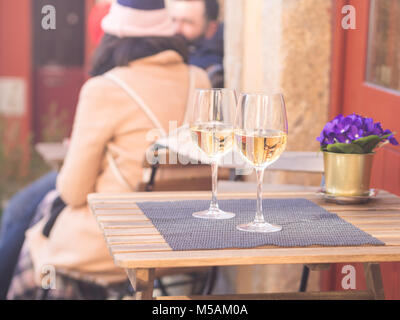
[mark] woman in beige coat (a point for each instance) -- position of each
(149, 76)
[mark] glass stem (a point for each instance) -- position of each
(259, 215)
(214, 173)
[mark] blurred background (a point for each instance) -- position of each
(303, 48)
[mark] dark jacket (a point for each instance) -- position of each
(209, 55)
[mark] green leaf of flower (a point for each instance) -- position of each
(369, 143)
(350, 148)
(388, 135)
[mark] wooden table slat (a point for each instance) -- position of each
(372, 219)
(257, 256)
(378, 233)
(131, 231)
(125, 224)
(126, 218)
(390, 241)
(115, 206)
(126, 211)
(361, 214)
(137, 239)
(147, 247)
(377, 226)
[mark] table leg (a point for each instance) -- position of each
(373, 278)
(306, 273)
(142, 281)
(318, 266)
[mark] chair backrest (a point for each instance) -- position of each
(177, 176)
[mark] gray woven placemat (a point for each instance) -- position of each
(304, 224)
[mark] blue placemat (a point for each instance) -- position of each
(304, 224)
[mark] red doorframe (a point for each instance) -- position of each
(343, 88)
(337, 60)
(15, 61)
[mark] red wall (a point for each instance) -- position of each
(15, 56)
(16, 60)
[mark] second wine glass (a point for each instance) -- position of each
(211, 127)
(261, 135)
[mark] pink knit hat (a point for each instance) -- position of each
(138, 18)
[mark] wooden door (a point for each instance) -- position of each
(366, 80)
(58, 67)
(372, 79)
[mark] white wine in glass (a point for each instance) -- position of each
(260, 134)
(261, 148)
(211, 127)
(214, 139)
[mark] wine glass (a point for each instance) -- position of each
(260, 134)
(211, 125)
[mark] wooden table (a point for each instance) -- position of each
(138, 247)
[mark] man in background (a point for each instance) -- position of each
(197, 21)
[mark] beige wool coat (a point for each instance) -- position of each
(108, 119)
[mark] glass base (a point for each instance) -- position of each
(213, 214)
(259, 227)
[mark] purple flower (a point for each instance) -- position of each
(350, 128)
(342, 138)
(377, 130)
(354, 133)
(391, 138)
(368, 125)
(342, 126)
(357, 120)
(393, 141)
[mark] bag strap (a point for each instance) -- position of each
(123, 85)
(135, 97)
(117, 173)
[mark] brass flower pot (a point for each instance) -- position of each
(347, 174)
